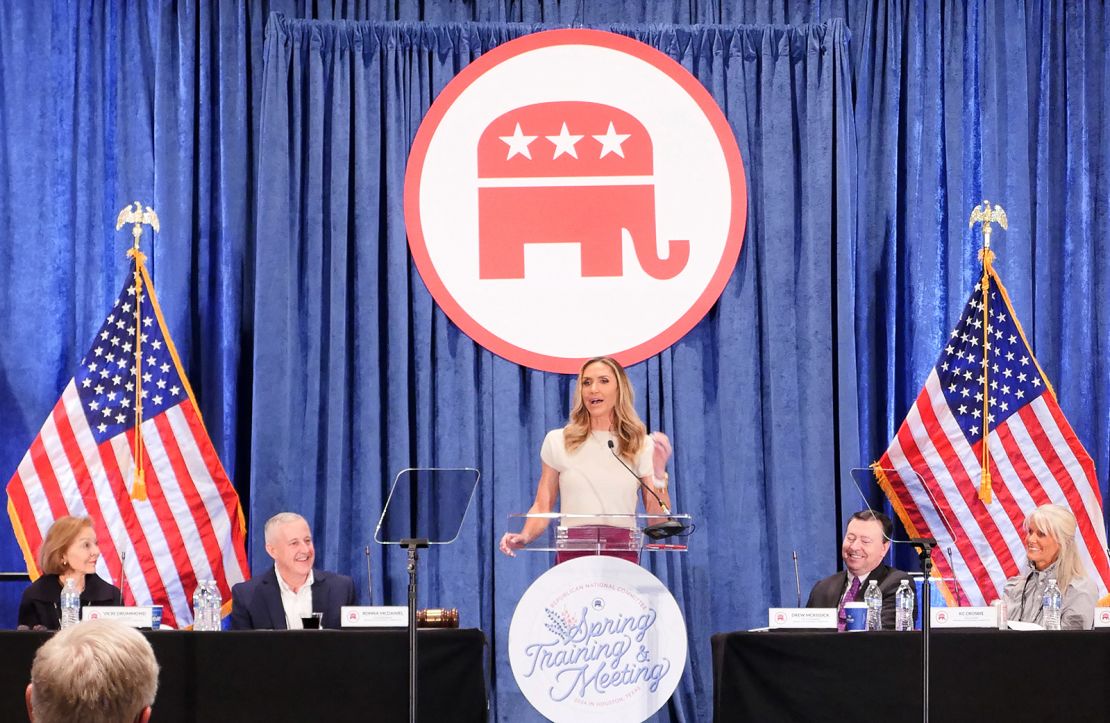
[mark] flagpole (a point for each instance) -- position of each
(985, 216)
(137, 218)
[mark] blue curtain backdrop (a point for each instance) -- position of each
(869, 130)
(375, 378)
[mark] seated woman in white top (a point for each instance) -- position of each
(1051, 548)
(601, 461)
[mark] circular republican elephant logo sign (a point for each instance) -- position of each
(575, 193)
(597, 639)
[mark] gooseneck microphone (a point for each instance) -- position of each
(660, 530)
(369, 574)
(122, 574)
(797, 578)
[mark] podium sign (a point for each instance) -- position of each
(597, 639)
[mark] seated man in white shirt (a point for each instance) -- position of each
(866, 543)
(281, 597)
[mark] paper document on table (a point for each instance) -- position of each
(1021, 625)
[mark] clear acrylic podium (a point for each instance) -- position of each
(425, 507)
(624, 536)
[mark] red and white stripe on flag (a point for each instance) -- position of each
(931, 471)
(82, 462)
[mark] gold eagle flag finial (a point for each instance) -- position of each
(986, 215)
(134, 214)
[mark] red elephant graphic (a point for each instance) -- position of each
(569, 172)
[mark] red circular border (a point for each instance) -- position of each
(546, 39)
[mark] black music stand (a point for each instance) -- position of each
(425, 507)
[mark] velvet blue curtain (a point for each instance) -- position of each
(869, 130)
(374, 377)
(102, 104)
(957, 102)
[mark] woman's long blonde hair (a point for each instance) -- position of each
(626, 425)
(1058, 522)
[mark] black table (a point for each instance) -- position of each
(976, 675)
(314, 675)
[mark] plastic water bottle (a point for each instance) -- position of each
(215, 603)
(1000, 608)
(71, 604)
(201, 606)
(1053, 601)
(903, 607)
(874, 600)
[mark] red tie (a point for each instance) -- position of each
(842, 621)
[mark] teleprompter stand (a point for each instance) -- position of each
(425, 507)
(925, 547)
(910, 479)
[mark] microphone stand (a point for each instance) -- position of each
(797, 579)
(925, 547)
(123, 577)
(369, 579)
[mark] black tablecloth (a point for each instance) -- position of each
(333, 675)
(975, 675)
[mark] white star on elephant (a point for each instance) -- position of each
(611, 142)
(564, 143)
(518, 143)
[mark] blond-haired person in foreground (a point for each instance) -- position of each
(98, 671)
(1050, 546)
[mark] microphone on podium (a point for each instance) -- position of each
(661, 530)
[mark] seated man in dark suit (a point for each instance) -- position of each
(291, 590)
(866, 543)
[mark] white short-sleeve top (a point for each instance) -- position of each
(592, 481)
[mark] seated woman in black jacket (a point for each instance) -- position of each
(68, 552)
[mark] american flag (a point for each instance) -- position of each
(1035, 457)
(81, 462)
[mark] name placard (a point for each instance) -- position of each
(801, 618)
(136, 617)
(1102, 617)
(969, 617)
(374, 616)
